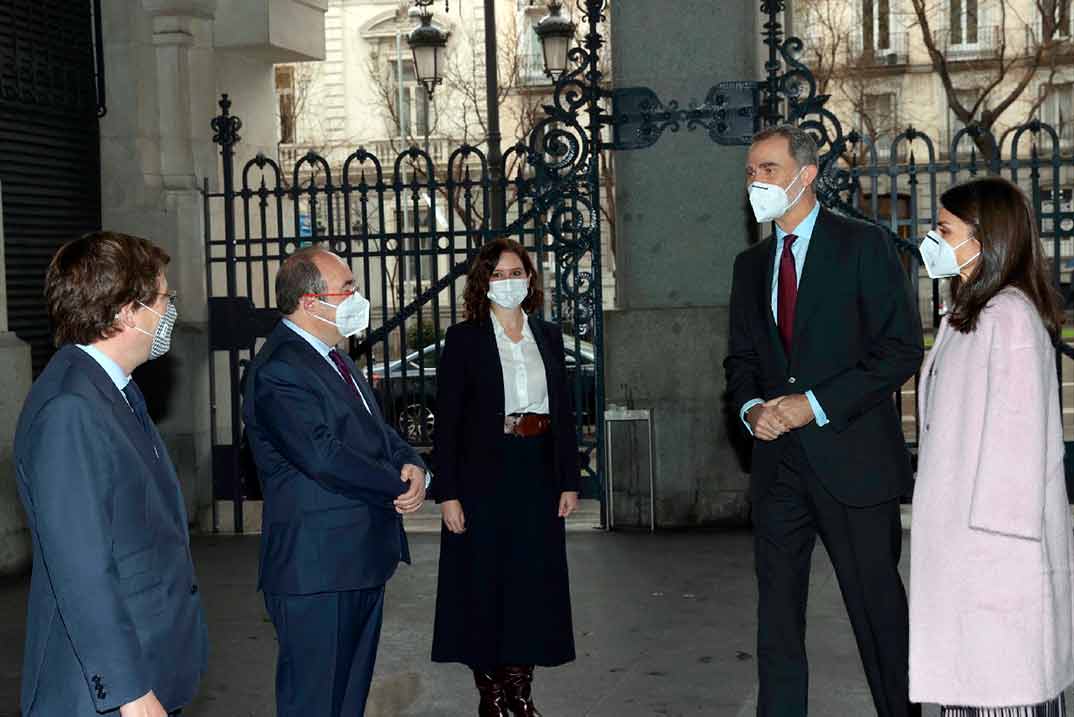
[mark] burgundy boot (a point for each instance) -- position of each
(493, 700)
(518, 684)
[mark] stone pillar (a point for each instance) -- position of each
(15, 368)
(681, 219)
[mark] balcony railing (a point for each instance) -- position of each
(895, 54)
(385, 150)
(962, 45)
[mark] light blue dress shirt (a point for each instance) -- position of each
(804, 232)
(110, 367)
(323, 349)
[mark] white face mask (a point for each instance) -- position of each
(352, 314)
(939, 257)
(771, 201)
(509, 293)
(162, 336)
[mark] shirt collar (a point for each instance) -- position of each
(322, 348)
(498, 329)
(110, 367)
(804, 230)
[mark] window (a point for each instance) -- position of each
(285, 94)
(414, 113)
(876, 24)
(880, 120)
(967, 98)
(1057, 108)
(964, 22)
(1061, 18)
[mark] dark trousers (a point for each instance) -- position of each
(328, 646)
(864, 545)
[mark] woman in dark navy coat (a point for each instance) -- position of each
(506, 477)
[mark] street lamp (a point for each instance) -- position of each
(557, 33)
(427, 42)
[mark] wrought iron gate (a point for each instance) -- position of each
(409, 229)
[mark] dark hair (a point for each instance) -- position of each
(477, 281)
(299, 275)
(91, 278)
(1001, 219)
(803, 148)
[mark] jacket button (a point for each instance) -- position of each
(792, 379)
(194, 589)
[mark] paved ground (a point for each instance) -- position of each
(664, 626)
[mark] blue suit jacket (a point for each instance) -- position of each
(114, 610)
(329, 471)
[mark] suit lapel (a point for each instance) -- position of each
(494, 369)
(815, 274)
(120, 408)
(332, 380)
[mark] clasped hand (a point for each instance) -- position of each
(771, 419)
(412, 500)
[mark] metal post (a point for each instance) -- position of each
(227, 128)
(399, 82)
(492, 103)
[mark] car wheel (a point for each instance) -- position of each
(416, 422)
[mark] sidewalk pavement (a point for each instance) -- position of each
(664, 626)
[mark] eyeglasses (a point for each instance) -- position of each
(335, 293)
(170, 294)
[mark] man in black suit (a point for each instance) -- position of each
(336, 480)
(823, 333)
(115, 622)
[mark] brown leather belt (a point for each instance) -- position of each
(527, 425)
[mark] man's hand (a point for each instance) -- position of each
(147, 706)
(765, 420)
(454, 519)
(411, 501)
(795, 411)
(568, 503)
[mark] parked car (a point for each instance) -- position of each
(406, 388)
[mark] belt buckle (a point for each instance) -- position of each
(510, 424)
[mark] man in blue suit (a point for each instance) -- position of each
(336, 481)
(115, 619)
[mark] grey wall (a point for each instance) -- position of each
(681, 220)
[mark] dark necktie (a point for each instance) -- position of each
(345, 372)
(137, 403)
(787, 293)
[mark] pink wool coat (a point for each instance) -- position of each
(991, 594)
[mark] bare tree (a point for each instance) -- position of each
(1004, 77)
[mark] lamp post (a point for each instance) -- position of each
(556, 32)
(427, 42)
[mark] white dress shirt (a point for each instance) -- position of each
(525, 388)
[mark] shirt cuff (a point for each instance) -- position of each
(746, 409)
(428, 479)
(818, 413)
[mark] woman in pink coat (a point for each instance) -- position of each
(991, 594)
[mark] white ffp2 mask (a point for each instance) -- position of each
(352, 314)
(771, 201)
(939, 257)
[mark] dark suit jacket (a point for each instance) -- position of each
(470, 408)
(329, 471)
(114, 610)
(857, 339)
